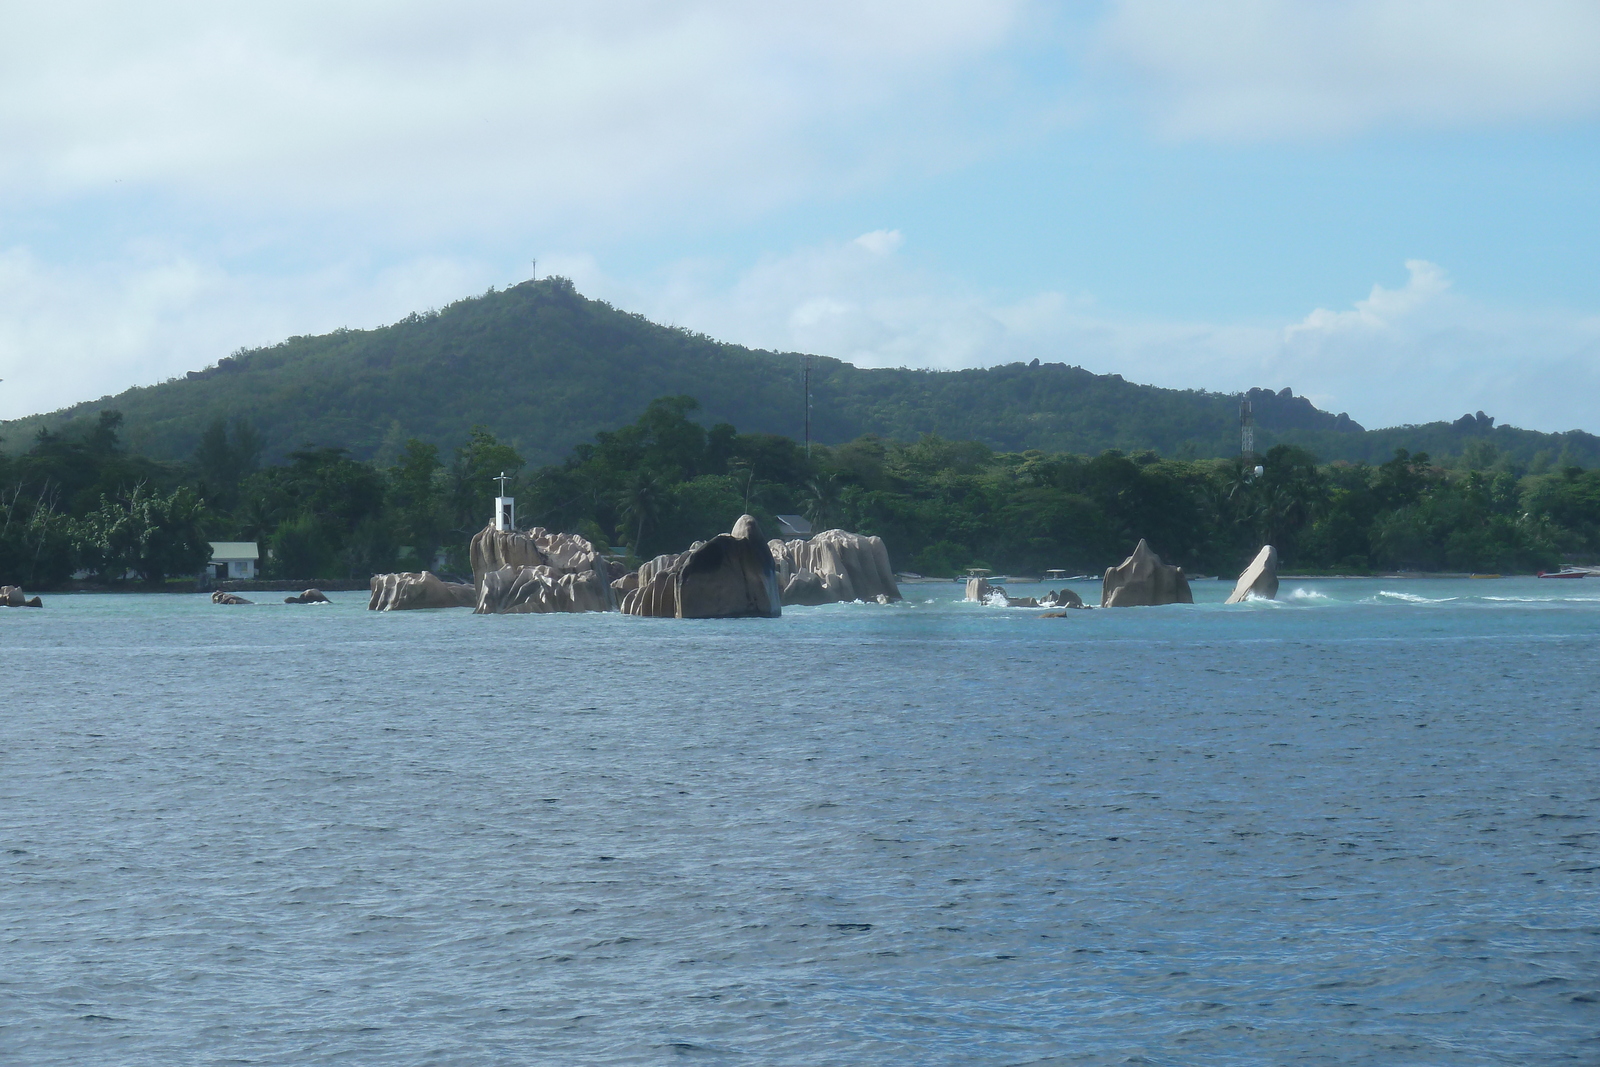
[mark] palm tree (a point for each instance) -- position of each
(640, 503)
(822, 499)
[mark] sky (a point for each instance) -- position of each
(1390, 207)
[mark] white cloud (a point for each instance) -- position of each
(71, 332)
(881, 242)
(1412, 353)
(1246, 69)
(1382, 308)
(480, 113)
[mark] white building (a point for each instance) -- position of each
(233, 559)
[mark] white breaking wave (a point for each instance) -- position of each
(1412, 598)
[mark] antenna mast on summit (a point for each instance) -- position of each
(807, 377)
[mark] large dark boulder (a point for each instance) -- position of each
(1142, 580)
(730, 576)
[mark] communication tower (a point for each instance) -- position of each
(1247, 429)
(806, 377)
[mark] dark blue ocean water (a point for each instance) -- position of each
(1357, 826)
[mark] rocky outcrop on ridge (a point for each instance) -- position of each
(310, 596)
(730, 576)
(220, 597)
(834, 566)
(12, 596)
(413, 590)
(1142, 580)
(536, 570)
(1259, 580)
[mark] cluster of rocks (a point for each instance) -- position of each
(985, 592)
(732, 575)
(12, 596)
(1142, 580)
(522, 571)
(310, 596)
(834, 567)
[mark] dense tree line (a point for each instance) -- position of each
(85, 505)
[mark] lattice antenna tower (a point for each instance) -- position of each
(1247, 429)
(806, 377)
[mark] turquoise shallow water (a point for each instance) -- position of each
(1355, 826)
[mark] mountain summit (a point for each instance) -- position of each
(544, 367)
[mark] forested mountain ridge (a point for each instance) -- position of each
(544, 368)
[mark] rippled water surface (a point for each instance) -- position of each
(1355, 826)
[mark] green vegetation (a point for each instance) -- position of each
(542, 368)
(665, 480)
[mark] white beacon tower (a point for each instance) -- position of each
(505, 507)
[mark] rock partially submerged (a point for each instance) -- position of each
(1142, 580)
(221, 597)
(310, 596)
(12, 596)
(1061, 598)
(730, 576)
(535, 571)
(834, 566)
(980, 590)
(413, 590)
(1259, 580)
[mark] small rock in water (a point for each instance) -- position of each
(310, 596)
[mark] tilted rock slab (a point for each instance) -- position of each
(1260, 579)
(1142, 580)
(408, 590)
(730, 576)
(531, 571)
(835, 566)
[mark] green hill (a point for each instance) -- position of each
(544, 368)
